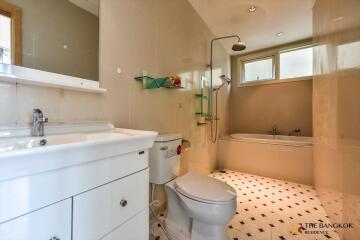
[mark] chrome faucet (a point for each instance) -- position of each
(38, 123)
(275, 130)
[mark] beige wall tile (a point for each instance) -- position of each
(255, 109)
(163, 38)
(8, 103)
(336, 111)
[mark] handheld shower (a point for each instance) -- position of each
(226, 79)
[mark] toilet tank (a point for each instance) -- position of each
(164, 158)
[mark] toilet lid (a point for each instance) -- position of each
(204, 188)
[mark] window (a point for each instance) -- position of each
(348, 55)
(296, 63)
(282, 64)
(5, 39)
(261, 69)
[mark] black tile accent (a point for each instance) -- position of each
(282, 238)
(261, 230)
(271, 225)
(242, 222)
(253, 219)
(248, 234)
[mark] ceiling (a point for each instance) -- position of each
(92, 6)
(258, 29)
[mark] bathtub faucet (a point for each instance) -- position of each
(275, 130)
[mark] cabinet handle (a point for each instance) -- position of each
(123, 203)
(54, 238)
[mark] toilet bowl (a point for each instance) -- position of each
(199, 207)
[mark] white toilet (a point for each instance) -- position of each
(199, 207)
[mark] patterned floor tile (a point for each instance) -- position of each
(269, 209)
(273, 209)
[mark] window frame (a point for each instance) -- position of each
(272, 57)
(269, 53)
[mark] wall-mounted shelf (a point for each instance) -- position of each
(204, 99)
(150, 83)
(28, 76)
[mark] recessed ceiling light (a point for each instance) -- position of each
(279, 34)
(252, 9)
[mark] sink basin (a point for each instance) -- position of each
(24, 155)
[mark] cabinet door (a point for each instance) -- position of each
(52, 222)
(101, 210)
(137, 228)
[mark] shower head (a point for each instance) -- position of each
(239, 46)
(226, 79)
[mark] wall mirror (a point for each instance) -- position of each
(59, 36)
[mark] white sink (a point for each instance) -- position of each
(24, 155)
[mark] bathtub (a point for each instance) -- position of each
(273, 139)
(288, 158)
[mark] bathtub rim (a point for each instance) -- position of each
(267, 141)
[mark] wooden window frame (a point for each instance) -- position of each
(15, 14)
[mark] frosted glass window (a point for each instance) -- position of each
(296, 63)
(258, 70)
(5, 39)
(348, 55)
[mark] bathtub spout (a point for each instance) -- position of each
(275, 130)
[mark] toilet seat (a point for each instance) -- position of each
(204, 189)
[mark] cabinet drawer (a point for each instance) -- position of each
(99, 211)
(44, 224)
(136, 228)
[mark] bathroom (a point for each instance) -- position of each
(90, 89)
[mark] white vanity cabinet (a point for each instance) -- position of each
(49, 223)
(134, 229)
(119, 207)
(89, 182)
(99, 211)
